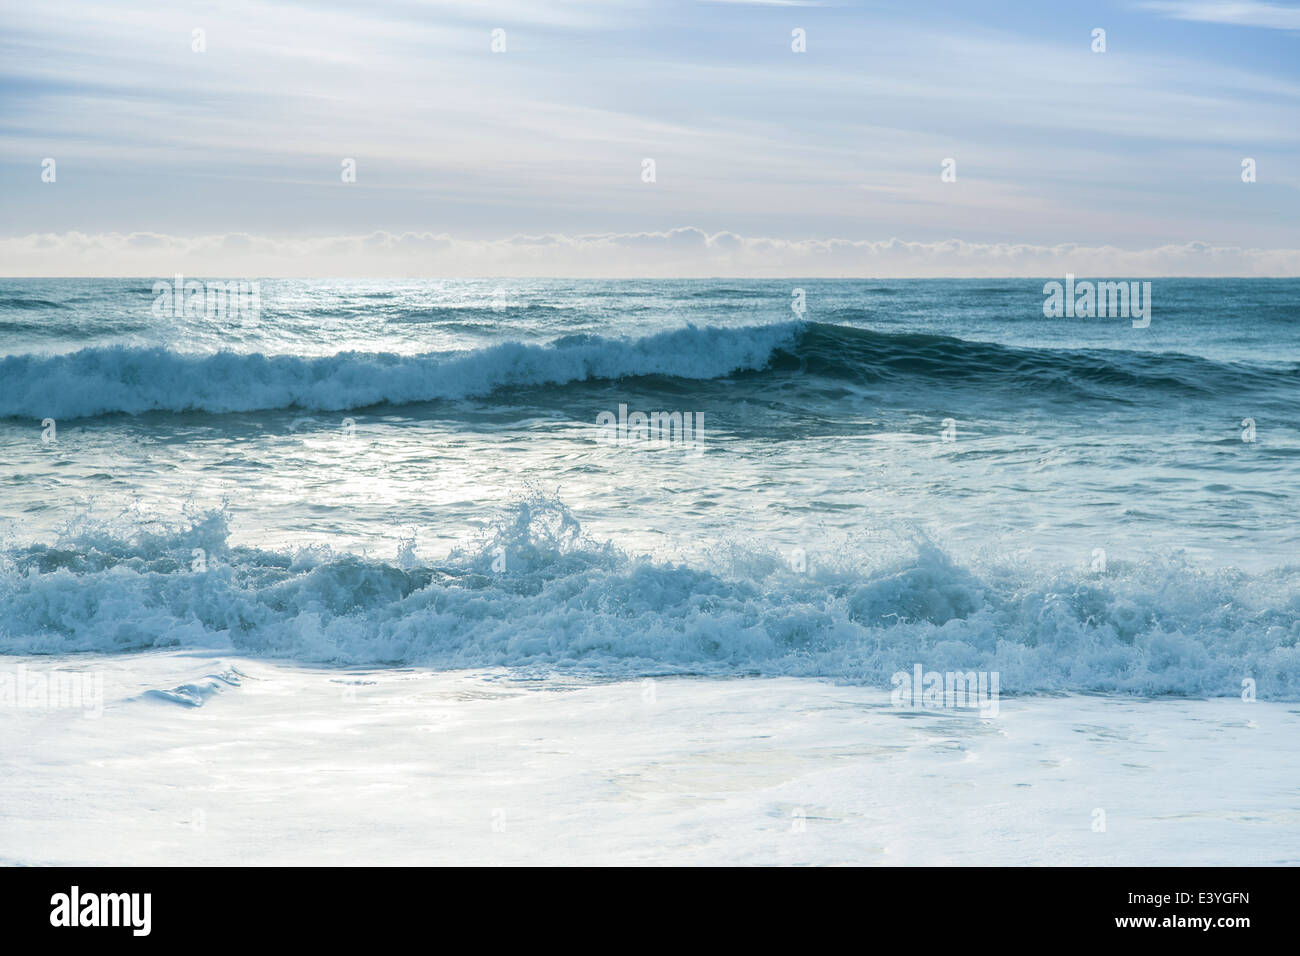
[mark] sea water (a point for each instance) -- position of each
(881, 473)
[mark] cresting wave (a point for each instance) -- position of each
(105, 380)
(99, 381)
(565, 602)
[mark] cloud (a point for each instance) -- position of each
(1137, 147)
(683, 252)
(1243, 13)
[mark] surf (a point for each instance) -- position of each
(538, 594)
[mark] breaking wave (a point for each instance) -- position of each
(537, 593)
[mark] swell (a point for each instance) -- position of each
(538, 594)
(26, 304)
(866, 355)
(98, 381)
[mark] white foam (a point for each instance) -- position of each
(325, 767)
(565, 603)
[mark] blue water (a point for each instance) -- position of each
(410, 472)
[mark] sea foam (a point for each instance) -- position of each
(565, 602)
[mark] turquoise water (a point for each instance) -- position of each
(410, 471)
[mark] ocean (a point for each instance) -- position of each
(320, 541)
(908, 470)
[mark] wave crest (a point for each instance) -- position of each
(99, 381)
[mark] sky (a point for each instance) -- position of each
(530, 160)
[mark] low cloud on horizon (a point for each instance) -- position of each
(677, 253)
